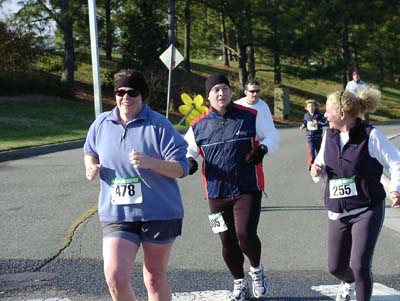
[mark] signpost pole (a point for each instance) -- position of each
(95, 57)
(170, 67)
(171, 58)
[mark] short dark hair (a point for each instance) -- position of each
(215, 79)
(251, 82)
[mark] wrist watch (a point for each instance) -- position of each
(264, 148)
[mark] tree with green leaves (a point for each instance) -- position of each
(37, 15)
(144, 33)
(18, 50)
(109, 7)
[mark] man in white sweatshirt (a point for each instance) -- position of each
(356, 85)
(264, 116)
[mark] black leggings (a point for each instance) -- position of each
(241, 214)
(351, 242)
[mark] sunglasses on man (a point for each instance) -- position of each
(131, 93)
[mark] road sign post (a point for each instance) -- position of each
(95, 58)
(171, 58)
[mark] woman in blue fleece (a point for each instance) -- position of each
(313, 122)
(139, 155)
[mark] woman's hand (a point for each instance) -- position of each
(316, 170)
(92, 170)
(171, 169)
(140, 160)
(395, 199)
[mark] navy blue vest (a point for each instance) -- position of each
(224, 142)
(354, 160)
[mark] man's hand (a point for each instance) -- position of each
(256, 155)
(193, 166)
(395, 199)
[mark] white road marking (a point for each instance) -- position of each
(380, 292)
(190, 296)
(50, 299)
(202, 296)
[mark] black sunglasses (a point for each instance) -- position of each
(131, 93)
(253, 91)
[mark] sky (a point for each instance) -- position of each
(8, 8)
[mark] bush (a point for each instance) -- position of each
(182, 82)
(18, 51)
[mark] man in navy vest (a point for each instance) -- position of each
(232, 144)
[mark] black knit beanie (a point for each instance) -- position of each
(215, 79)
(132, 79)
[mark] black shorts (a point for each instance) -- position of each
(159, 232)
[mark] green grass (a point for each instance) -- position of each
(303, 84)
(26, 124)
(47, 121)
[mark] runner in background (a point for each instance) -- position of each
(352, 157)
(313, 122)
(232, 145)
(355, 86)
(264, 117)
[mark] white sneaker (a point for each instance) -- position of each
(240, 291)
(259, 283)
(346, 291)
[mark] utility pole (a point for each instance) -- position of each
(171, 38)
(95, 57)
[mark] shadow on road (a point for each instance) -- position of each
(298, 207)
(77, 278)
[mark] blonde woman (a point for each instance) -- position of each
(352, 157)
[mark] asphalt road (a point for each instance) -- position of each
(51, 239)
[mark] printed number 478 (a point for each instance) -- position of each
(121, 190)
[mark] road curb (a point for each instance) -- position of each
(27, 152)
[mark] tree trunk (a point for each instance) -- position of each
(251, 62)
(277, 69)
(69, 51)
(171, 37)
(276, 52)
(356, 60)
(224, 40)
(187, 35)
(345, 51)
(108, 45)
(250, 46)
(242, 63)
(171, 21)
(381, 67)
(392, 67)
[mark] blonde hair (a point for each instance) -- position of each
(367, 101)
(310, 101)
